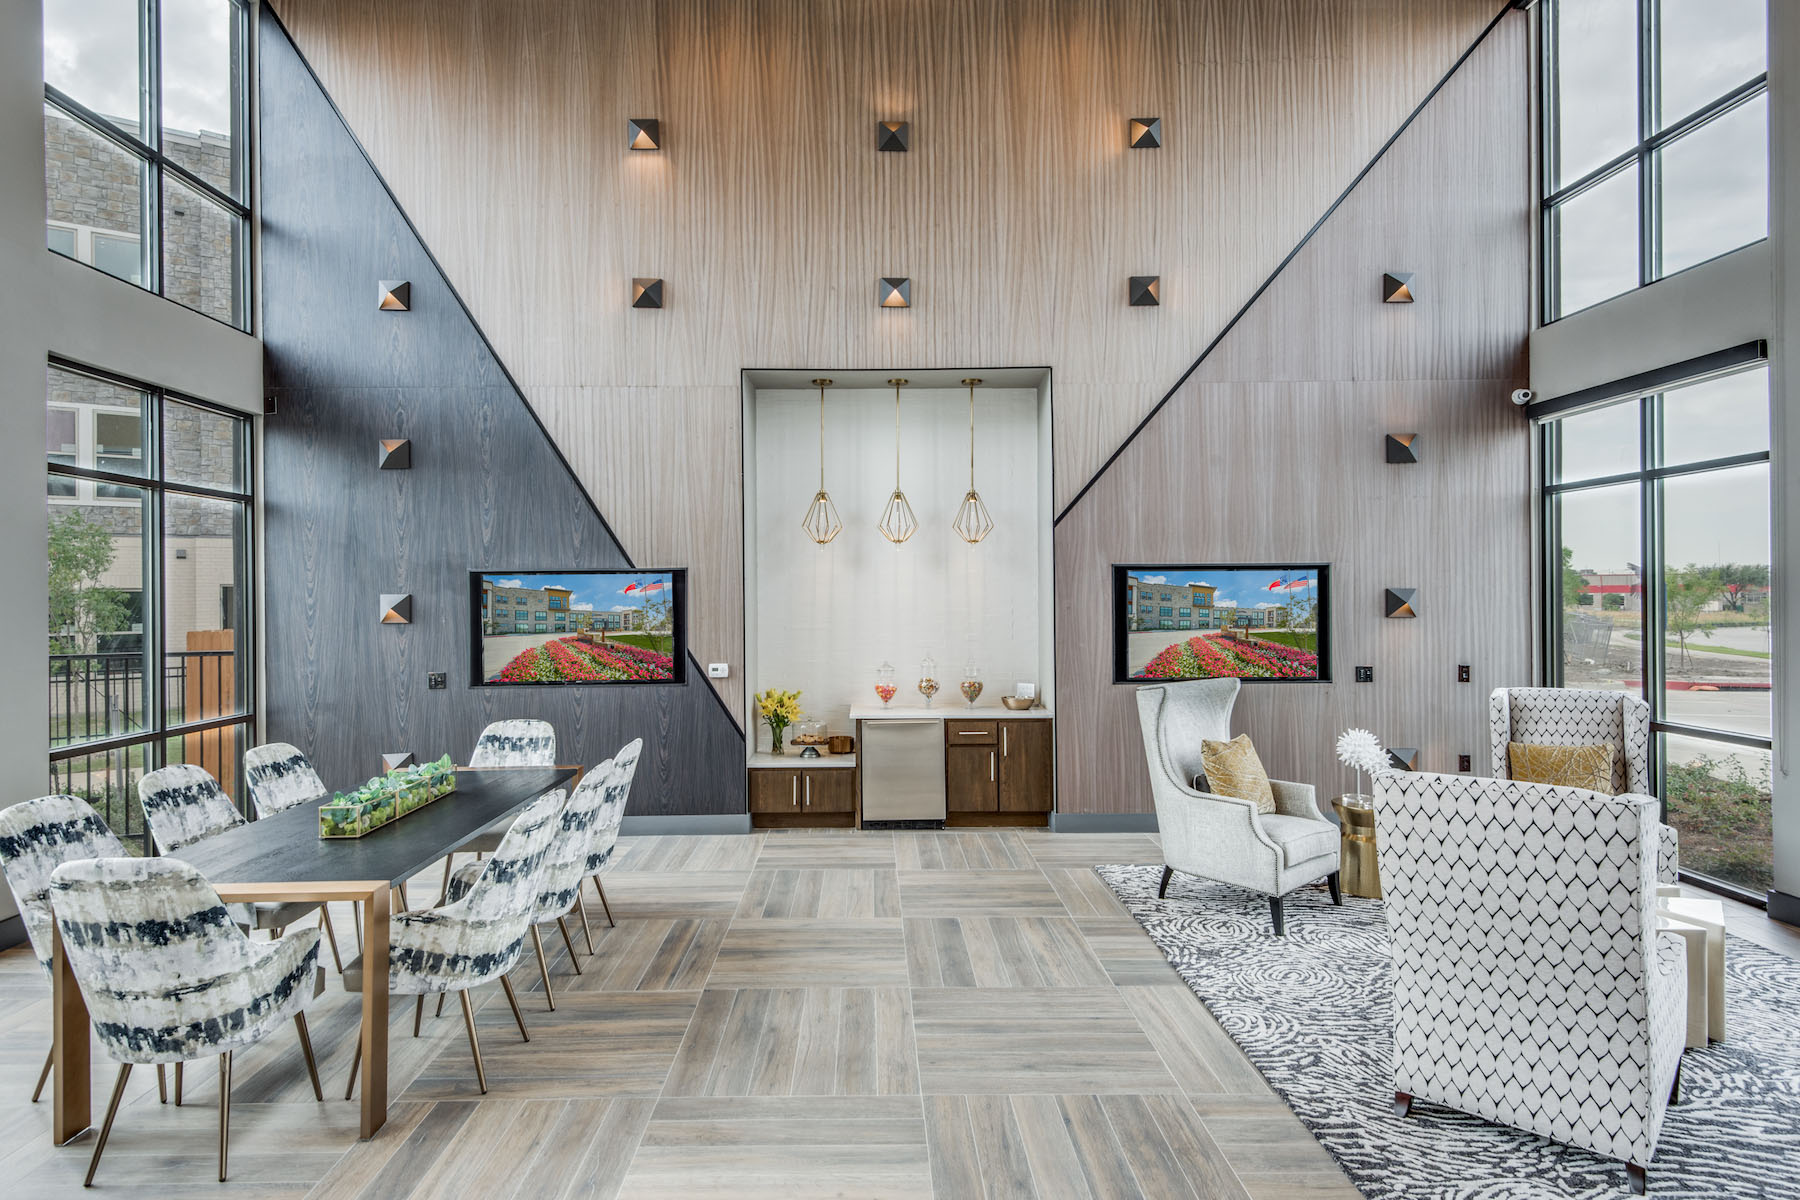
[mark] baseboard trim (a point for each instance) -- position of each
(1783, 907)
(699, 823)
(12, 931)
(1062, 822)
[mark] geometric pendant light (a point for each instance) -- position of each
(972, 520)
(821, 523)
(897, 521)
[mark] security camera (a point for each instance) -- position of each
(1523, 396)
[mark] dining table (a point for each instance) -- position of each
(282, 858)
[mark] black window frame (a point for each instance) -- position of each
(1645, 157)
(157, 164)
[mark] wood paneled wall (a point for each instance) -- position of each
(486, 491)
(1019, 213)
(1273, 451)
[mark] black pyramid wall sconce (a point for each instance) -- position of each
(1144, 291)
(396, 296)
(894, 137)
(646, 293)
(396, 608)
(1396, 288)
(893, 291)
(1145, 133)
(396, 454)
(1403, 448)
(1399, 603)
(393, 762)
(644, 133)
(1403, 758)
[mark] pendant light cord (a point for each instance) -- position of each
(821, 437)
(896, 437)
(971, 437)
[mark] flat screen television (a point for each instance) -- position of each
(578, 627)
(1259, 622)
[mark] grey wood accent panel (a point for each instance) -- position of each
(487, 490)
(1019, 213)
(1272, 451)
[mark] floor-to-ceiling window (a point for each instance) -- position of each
(146, 154)
(148, 527)
(1655, 141)
(1657, 523)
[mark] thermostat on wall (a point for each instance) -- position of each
(718, 670)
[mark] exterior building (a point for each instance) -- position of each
(525, 610)
(1188, 606)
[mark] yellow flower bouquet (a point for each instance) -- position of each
(780, 709)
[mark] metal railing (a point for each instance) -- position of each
(95, 697)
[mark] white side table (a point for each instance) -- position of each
(1682, 914)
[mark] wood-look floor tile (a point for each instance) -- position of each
(665, 895)
(986, 1041)
(798, 1042)
(854, 894)
(708, 852)
(645, 956)
(977, 893)
(1084, 893)
(1200, 1054)
(1088, 850)
(1127, 953)
(962, 850)
(999, 952)
(798, 852)
(810, 951)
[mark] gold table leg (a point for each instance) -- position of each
(375, 1012)
(70, 1100)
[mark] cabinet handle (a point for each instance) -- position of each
(809, 791)
(1003, 732)
(796, 782)
(990, 766)
(971, 733)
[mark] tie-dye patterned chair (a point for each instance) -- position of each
(184, 804)
(612, 812)
(517, 743)
(169, 977)
(476, 939)
(279, 778)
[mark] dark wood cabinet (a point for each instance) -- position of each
(798, 795)
(831, 790)
(971, 779)
(1027, 766)
(774, 790)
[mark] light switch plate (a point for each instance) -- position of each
(718, 670)
(1462, 674)
(1365, 674)
(1463, 763)
(436, 681)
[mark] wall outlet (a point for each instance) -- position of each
(437, 681)
(718, 670)
(1365, 674)
(1463, 764)
(1462, 673)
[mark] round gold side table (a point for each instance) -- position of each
(1356, 846)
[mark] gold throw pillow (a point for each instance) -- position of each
(1589, 767)
(1233, 769)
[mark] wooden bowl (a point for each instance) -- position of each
(1016, 704)
(841, 744)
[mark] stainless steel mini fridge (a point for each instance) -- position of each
(902, 763)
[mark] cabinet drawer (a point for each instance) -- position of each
(971, 733)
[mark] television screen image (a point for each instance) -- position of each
(578, 627)
(1264, 622)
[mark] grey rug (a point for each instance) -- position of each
(1311, 1012)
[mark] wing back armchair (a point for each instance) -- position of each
(1223, 837)
(1531, 986)
(1581, 717)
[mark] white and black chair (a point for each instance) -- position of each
(169, 977)
(519, 742)
(279, 778)
(612, 812)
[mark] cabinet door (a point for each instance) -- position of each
(1027, 766)
(829, 791)
(774, 791)
(971, 778)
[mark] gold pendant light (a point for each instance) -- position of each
(972, 520)
(897, 521)
(821, 523)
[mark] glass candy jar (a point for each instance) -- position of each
(928, 681)
(884, 682)
(971, 684)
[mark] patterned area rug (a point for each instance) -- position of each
(1311, 1012)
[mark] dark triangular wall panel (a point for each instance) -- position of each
(487, 490)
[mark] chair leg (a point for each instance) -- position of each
(562, 923)
(1402, 1104)
(162, 1084)
(112, 1110)
(355, 1062)
(1162, 889)
(1636, 1179)
(444, 892)
(419, 1012)
(513, 1000)
(330, 936)
(1675, 1087)
(1277, 916)
(178, 1074)
(543, 967)
(224, 1110)
(585, 931)
(474, 1042)
(1337, 893)
(312, 1064)
(601, 888)
(440, 1005)
(49, 1061)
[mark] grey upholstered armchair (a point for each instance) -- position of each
(1223, 837)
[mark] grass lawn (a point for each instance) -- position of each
(661, 643)
(1298, 638)
(1702, 644)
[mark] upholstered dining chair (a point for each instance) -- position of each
(476, 939)
(169, 977)
(612, 813)
(184, 804)
(1223, 837)
(279, 778)
(36, 837)
(519, 742)
(1580, 717)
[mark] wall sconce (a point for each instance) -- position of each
(644, 133)
(1146, 133)
(1403, 758)
(1403, 448)
(1396, 288)
(393, 762)
(894, 292)
(646, 293)
(396, 608)
(1145, 291)
(1399, 602)
(396, 454)
(396, 296)
(893, 136)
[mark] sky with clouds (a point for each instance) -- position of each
(91, 52)
(594, 593)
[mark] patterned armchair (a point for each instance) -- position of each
(1223, 837)
(611, 815)
(1580, 717)
(1531, 986)
(280, 777)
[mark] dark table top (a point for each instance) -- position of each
(287, 848)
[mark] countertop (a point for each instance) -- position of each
(792, 760)
(952, 711)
